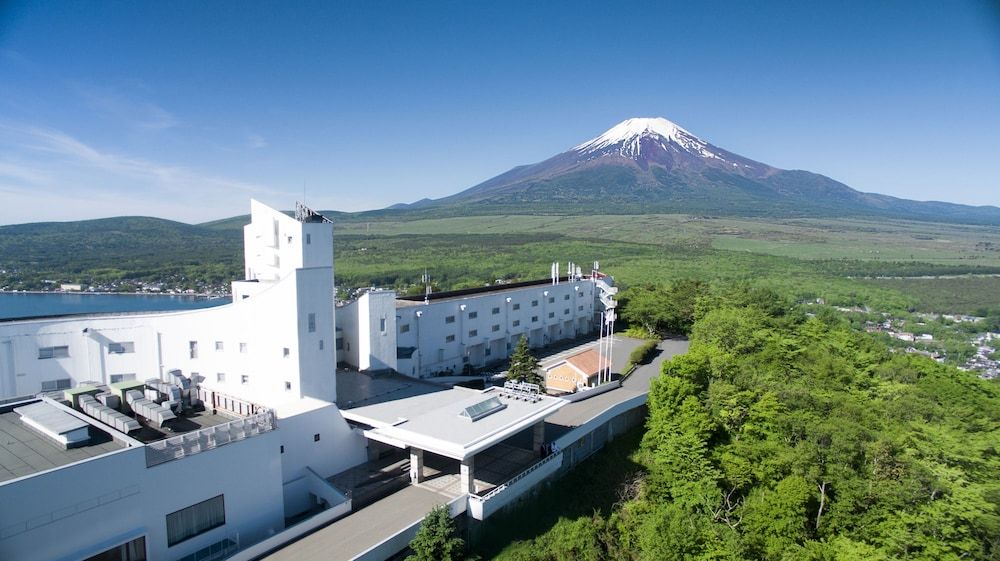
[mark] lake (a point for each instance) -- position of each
(21, 305)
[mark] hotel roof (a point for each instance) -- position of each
(25, 451)
(404, 301)
(435, 421)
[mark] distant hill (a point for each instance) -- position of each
(655, 166)
(144, 247)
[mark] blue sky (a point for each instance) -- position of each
(185, 109)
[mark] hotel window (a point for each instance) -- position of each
(552, 299)
(566, 297)
(339, 344)
(495, 328)
(220, 377)
(496, 311)
(381, 325)
(473, 315)
(534, 318)
(54, 385)
(285, 352)
(193, 349)
(316, 437)
(219, 346)
(321, 344)
(580, 294)
(579, 308)
(309, 239)
(288, 386)
(449, 339)
(516, 306)
(115, 378)
(473, 332)
(244, 379)
(449, 319)
(53, 352)
(552, 314)
(405, 328)
(195, 519)
(534, 303)
(516, 323)
(120, 348)
(243, 348)
(312, 323)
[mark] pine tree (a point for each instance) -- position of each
(436, 539)
(524, 366)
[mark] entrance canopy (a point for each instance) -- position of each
(457, 422)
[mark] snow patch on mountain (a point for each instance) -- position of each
(626, 138)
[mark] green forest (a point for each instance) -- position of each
(788, 435)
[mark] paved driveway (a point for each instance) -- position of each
(580, 412)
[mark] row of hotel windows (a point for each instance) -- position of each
(124, 347)
(220, 346)
(67, 383)
(405, 328)
(285, 351)
(220, 377)
(62, 351)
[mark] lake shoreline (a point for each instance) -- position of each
(27, 305)
(95, 293)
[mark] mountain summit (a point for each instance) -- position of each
(661, 142)
(652, 165)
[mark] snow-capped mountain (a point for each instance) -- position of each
(646, 165)
(662, 142)
(628, 137)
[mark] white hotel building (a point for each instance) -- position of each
(424, 336)
(78, 485)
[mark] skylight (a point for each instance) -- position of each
(483, 409)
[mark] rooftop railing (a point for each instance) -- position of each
(503, 487)
(208, 438)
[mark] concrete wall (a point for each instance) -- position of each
(337, 449)
(366, 345)
(84, 508)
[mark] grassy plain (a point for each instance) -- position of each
(962, 295)
(883, 240)
(808, 258)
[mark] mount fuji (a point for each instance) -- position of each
(652, 165)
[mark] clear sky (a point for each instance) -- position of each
(185, 109)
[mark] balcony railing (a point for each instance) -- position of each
(208, 438)
(503, 487)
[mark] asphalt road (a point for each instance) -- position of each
(637, 383)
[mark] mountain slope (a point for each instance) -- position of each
(126, 242)
(654, 165)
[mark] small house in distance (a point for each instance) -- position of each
(574, 372)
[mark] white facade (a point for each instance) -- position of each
(368, 327)
(449, 330)
(85, 508)
(274, 346)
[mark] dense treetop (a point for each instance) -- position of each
(788, 435)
